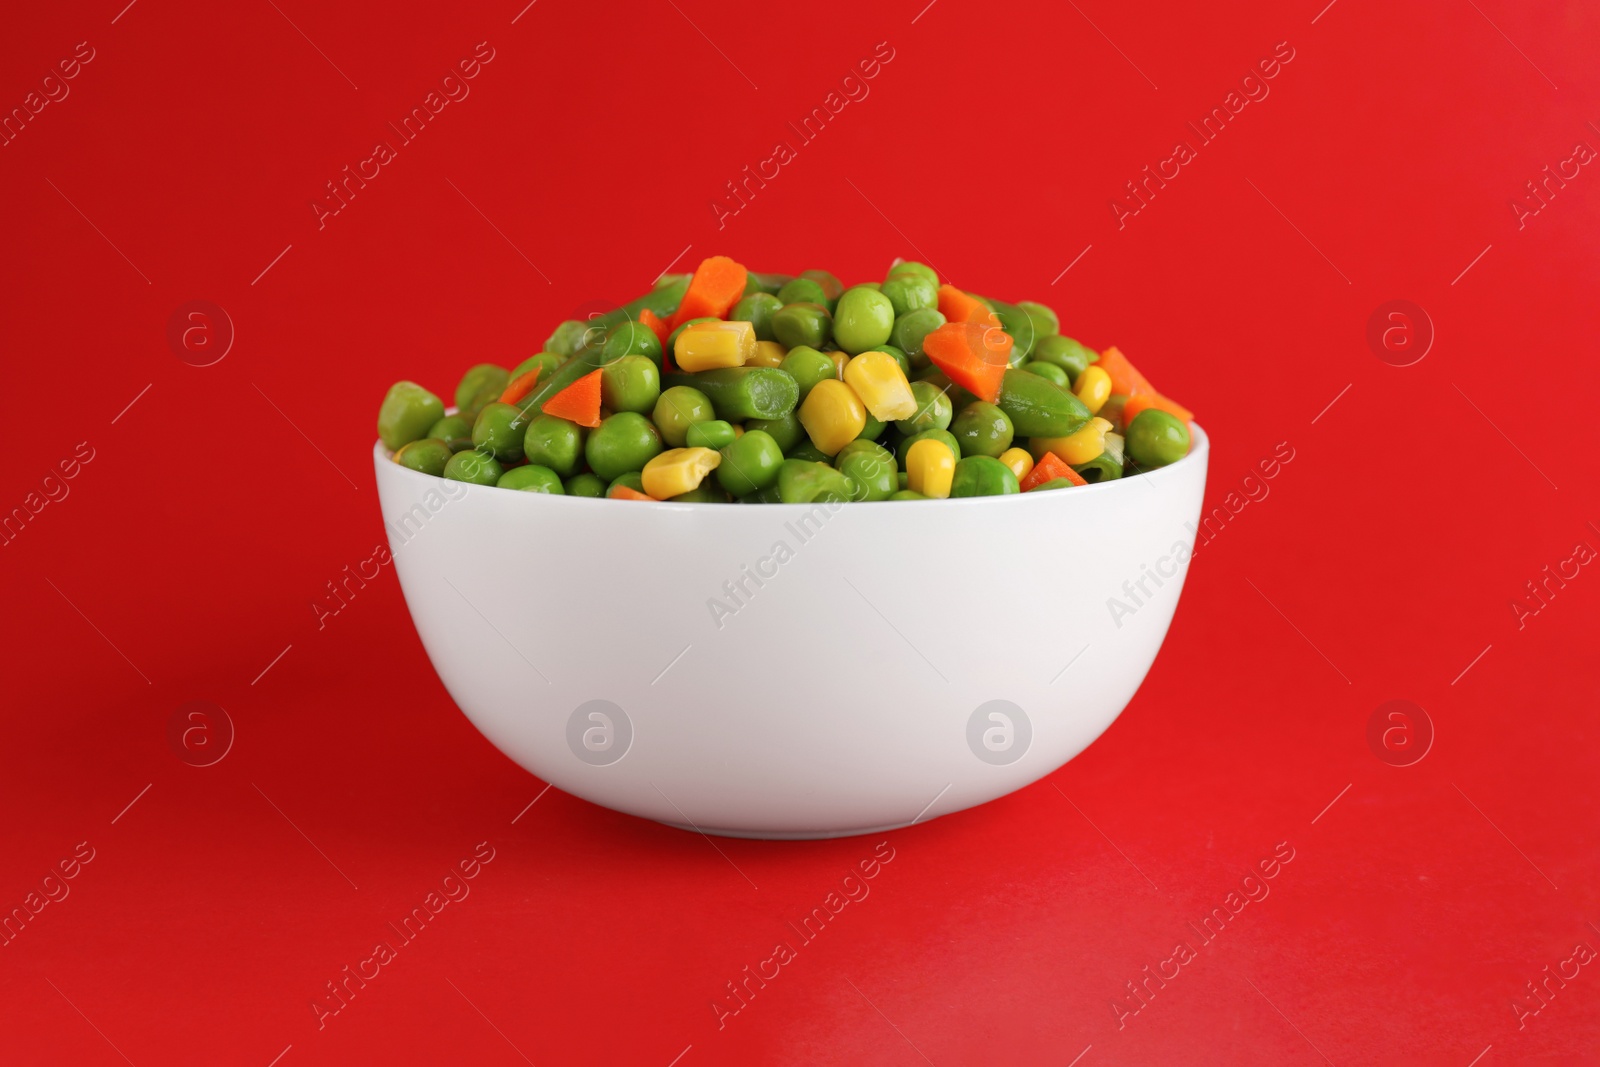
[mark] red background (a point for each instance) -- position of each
(1384, 560)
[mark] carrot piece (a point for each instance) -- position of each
(1048, 469)
(623, 492)
(663, 330)
(657, 325)
(972, 355)
(957, 306)
(1125, 379)
(717, 285)
(1140, 401)
(578, 402)
(520, 386)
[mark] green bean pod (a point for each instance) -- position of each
(1038, 407)
(740, 393)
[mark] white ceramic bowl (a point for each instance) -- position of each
(870, 665)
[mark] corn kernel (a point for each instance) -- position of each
(839, 360)
(1094, 386)
(678, 470)
(767, 354)
(1018, 460)
(832, 415)
(708, 345)
(881, 384)
(1079, 447)
(930, 468)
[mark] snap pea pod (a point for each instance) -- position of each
(1038, 407)
(740, 393)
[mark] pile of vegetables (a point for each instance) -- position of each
(729, 385)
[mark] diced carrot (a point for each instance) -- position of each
(1125, 379)
(1140, 401)
(578, 402)
(657, 324)
(1050, 467)
(717, 285)
(623, 492)
(663, 330)
(972, 355)
(520, 386)
(957, 306)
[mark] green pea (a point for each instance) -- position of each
(906, 494)
(406, 413)
(757, 309)
(586, 484)
(765, 283)
(769, 495)
(672, 338)
(803, 291)
(803, 481)
(480, 385)
(1102, 468)
(872, 429)
(1156, 438)
(632, 479)
(807, 324)
(808, 367)
(632, 338)
(876, 286)
(632, 383)
(911, 328)
(567, 338)
(983, 476)
(899, 357)
(704, 493)
(715, 434)
(677, 409)
(750, 463)
(906, 266)
(474, 467)
(453, 430)
(547, 362)
(1049, 372)
(934, 410)
(499, 430)
(872, 475)
(863, 319)
(1065, 353)
(983, 429)
(532, 478)
(622, 443)
(1045, 322)
(808, 450)
(1054, 483)
(946, 436)
(554, 443)
(910, 292)
(785, 430)
(428, 455)
(831, 286)
(858, 445)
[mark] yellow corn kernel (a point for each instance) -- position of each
(881, 384)
(930, 468)
(832, 415)
(767, 354)
(708, 345)
(1094, 386)
(1075, 448)
(839, 360)
(1018, 460)
(678, 470)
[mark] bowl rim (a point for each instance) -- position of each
(1199, 450)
